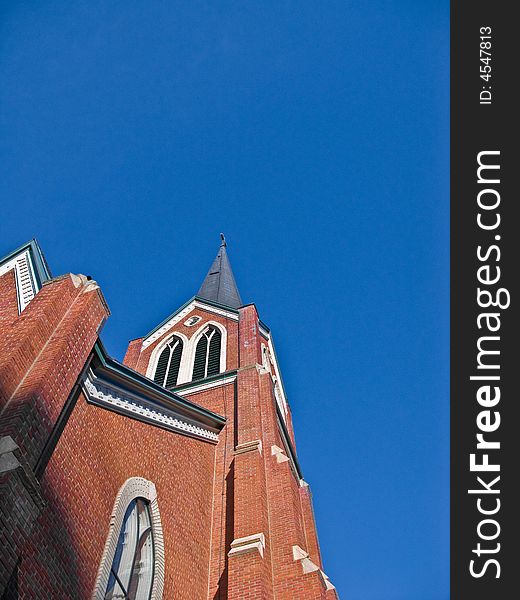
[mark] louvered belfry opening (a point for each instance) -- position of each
(167, 370)
(207, 354)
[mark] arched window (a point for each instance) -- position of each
(131, 573)
(207, 354)
(167, 369)
(132, 565)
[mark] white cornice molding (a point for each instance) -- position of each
(217, 311)
(168, 325)
(112, 397)
(183, 313)
(26, 286)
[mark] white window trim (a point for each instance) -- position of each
(190, 356)
(156, 353)
(168, 366)
(135, 487)
(188, 352)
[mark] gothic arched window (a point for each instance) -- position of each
(168, 364)
(132, 565)
(207, 354)
(132, 570)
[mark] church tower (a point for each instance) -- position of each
(171, 476)
(216, 352)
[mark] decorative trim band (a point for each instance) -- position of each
(110, 396)
(181, 314)
(217, 311)
(168, 325)
(205, 386)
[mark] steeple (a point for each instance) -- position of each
(219, 285)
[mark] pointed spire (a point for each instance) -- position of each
(219, 285)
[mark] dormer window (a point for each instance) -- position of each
(192, 321)
(207, 354)
(167, 370)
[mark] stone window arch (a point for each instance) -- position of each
(132, 565)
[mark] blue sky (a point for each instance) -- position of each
(315, 135)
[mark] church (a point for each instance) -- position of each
(172, 475)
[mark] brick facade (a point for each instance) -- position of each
(236, 514)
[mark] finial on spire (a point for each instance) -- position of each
(222, 240)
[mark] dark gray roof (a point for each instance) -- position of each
(219, 285)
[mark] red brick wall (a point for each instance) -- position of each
(267, 492)
(8, 300)
(252, 492)
(42, 354)
(221, 400)
(97, 452)
(208, 495)
(132, 353)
